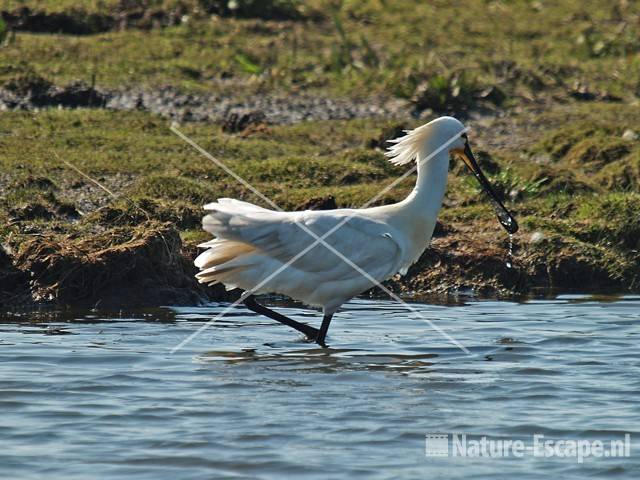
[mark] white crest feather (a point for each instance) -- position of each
(406, 149)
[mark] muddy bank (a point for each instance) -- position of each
(73, 22)
(13, 282)
(149, 266)
(463, 263)
(29, 93)
(292, 108)
(131, 267)
(72, 244)
(81, 20)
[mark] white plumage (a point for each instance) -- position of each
(253, 242)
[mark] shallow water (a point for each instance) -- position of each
(97, 396)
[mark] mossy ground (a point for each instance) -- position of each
(555, 138)
(357, 47)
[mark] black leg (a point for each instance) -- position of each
(324, 328)
(310, 332)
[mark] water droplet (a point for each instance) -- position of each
(509, 261)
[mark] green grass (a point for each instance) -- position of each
(289, 163)
(353, 48)
(162, 166)
(562, 165)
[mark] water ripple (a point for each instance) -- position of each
(86, 392)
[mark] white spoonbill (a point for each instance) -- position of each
(253, 243)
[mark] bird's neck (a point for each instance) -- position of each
(425, 200)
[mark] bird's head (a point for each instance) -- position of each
(447, 135)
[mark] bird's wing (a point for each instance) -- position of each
(288, 237)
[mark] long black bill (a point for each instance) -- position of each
(506, 219)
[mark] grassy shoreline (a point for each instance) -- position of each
(554, 114)
(576, 229)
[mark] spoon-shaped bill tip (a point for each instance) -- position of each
(504, 216)
(506, 220)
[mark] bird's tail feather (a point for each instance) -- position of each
(222, 259)
(236, 224)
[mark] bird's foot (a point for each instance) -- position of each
(320, 340)
(315, 339)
